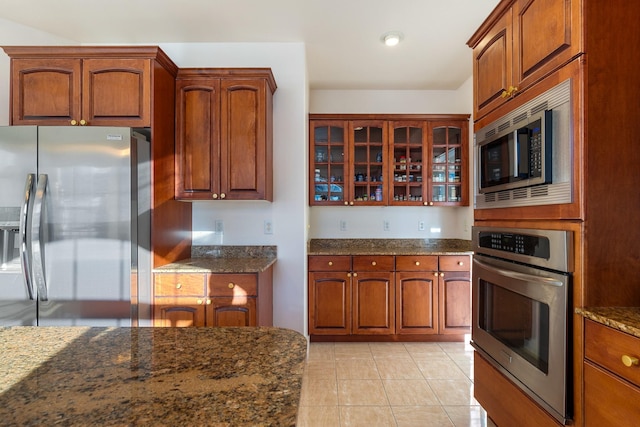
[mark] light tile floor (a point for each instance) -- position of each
(389, 384)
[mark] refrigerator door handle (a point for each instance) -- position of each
(37, 245)
(25, 245)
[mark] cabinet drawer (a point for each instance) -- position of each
(455, 263)
(417, 263)
(179, 285)
(330, 263)
(233, 285)
(609, 401)
(606, 346)
(373, 263)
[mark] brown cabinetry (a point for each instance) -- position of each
(379, 160)
(611, 376)
(67, 86)
(392, 296)
(224, 134)
(524, 41)
(219, 299)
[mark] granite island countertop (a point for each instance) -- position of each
(389, 247)
(625, 319)
(224, 259)
(150, 376)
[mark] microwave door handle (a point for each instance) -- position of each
(517, 275)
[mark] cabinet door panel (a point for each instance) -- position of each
(45, 92)
(329, 303)
(243, 127)
(609, 401)
(197, 142)
(231, 312)
(416, 303)
(455, 303)
(116, 92)
(178, 315)
(373, 303)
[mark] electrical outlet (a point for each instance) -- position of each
(268, 226)
(343, 225)
(421, 225)
(385, 225)
(219, 226)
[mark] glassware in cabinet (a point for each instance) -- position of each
(408, 139)
(328, 164)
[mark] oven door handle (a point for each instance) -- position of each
(517, 275)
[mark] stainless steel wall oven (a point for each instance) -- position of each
(521, 316)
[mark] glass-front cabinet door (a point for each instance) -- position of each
(329, 162)
(368, 150)
(408, 140)
(448, 163)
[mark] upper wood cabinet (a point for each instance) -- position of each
(520, 43)
(381, 160)
(224, 134)
(97, 86)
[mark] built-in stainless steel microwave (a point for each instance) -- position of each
(518, 156)
(524, 158)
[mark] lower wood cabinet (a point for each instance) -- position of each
(242, 299)
(389, 296)
(611, 377)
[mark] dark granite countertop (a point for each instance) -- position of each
(224, 259)
(389, 247)
(150, 376)
(625, 319)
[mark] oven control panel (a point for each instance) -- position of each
(525, 244)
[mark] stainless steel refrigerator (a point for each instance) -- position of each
(74, 226)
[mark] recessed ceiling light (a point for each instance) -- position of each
(391, 38)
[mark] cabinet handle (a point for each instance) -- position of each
(374, 263)
(214, 195)
(630, 361)
(199, 301)
(178, 285)
(330, 262)
(223, 195)
(230, 285)
(504, 94)
(417, 262)
(509, 92)
(83, 122)
(460, 263)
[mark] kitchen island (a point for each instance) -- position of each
(150, 376)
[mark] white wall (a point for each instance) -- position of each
(367, 222)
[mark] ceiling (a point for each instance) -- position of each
(342, 37)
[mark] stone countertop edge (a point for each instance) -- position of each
(224, 259)
(80, 376)
(625, 319)
(389, 247)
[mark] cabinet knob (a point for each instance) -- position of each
(430, 203)
(504, 94)
(178, 285)
(350, 203)
(374, 263)
(435, 274)
(230, 285)
(417, 262)
(441, 274)
(348, 274)
(330, 262)
(223, 195)
(425, 203)
(460, 263)
(630, 361)
(355, 274)
(73, 122)
(214, 195)
(346, 203)
(83, 122)
(208, 302)
(199, 301)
